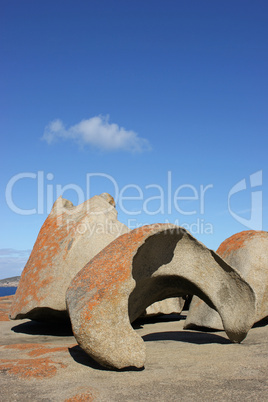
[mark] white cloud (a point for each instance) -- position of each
(99, 133)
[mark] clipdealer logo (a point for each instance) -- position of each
(256, 208)
(166, 200)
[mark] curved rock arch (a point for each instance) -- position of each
(247, 252)
(138, 268)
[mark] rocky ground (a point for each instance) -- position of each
(43, 363)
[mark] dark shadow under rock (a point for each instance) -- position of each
(41, 328)
(261, 323)
(198, 338)
(139, 322)
(81, 357)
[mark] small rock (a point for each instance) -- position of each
(172, 305)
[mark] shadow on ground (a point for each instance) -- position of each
(139, 322)
(82, 358)
(42, 328)
(198, 338)
(261, 323)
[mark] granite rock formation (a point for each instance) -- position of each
(247, 251)
(141, 267)
(68, 239)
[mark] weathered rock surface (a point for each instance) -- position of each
(41, 362)
(247, 251)
(167, 306)
(5, 303)
(68, 239)
(139, 268)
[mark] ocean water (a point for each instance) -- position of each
(7, 291)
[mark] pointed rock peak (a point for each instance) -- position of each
(108, 198)
(61, 203)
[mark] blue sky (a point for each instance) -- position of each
(154, 100)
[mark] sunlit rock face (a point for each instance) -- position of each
(246, 251)
(139, 268)
(68, 239)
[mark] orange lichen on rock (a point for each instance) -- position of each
(30, 364)
(67, 240)
(44, 250)
(139, 268)
(30, 368)
(247, 253)
(238, 241)
(5, 303)
(34, 350)
(83, 397)
(108, 270)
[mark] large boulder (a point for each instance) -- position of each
(247, 251)
(68, 239)
(141, 267)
